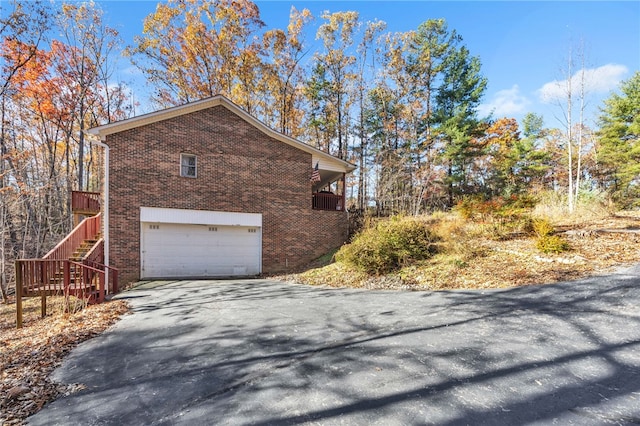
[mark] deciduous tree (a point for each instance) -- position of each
(570, 97)
(366, 66)
(192, 49)
(23, 26)
(284, 74)
(335, 66)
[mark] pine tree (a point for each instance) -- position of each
(619, 136)
(456, 105)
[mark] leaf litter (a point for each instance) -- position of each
(29, 355)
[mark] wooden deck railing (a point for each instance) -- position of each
(88, 229)
(47, 277)
(327, 201)
(56, 274)
(85, 202)
(40, 276)
(110, 275)
(96, 254)
(94, 258)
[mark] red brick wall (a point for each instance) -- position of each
(240, 169)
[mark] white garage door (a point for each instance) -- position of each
(183, 250)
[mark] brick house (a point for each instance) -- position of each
(206, 190)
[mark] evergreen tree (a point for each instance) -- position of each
(619, 153)
(532, 159)
(429, 49)
(456, 105)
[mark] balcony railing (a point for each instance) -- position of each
(83, 202)
(327, 201)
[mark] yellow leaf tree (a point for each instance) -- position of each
(192, 49)
(284, 75)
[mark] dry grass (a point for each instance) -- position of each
(553, 207)
(30, 354)
(472, 258)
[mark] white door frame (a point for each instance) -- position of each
(198, 217)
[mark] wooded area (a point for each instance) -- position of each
(401, 106)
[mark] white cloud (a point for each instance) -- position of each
(597, 80)
(505, 103)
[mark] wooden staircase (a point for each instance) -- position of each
(73, 267)
(86, 285)
(86, 246)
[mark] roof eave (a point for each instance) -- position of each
(107, 129)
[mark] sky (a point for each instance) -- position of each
(523, 45)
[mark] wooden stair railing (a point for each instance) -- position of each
(95, 258)
(88, 229)
(72, 268)
(48, 277)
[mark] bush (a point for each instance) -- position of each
(552, 244)
(475, 207)
(467, 207)
(542, 228)
(523, 201)
(547, 242)
(389, 245)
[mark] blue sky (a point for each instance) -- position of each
(523, 46)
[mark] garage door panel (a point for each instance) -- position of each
(171, 250)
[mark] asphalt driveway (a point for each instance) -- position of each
(265, 352)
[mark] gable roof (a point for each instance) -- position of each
(327, 161)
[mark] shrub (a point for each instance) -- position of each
(542, 228)
(552, 244)
(506, 229)
(547, 242)
(523, 201)
(389, 245)
(475, 207)
(466, 207)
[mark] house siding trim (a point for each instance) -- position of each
(199, 217)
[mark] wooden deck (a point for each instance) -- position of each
(74, 267)
(85, 203)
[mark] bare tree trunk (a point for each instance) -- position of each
(3, 216)
(581, 126)
(570, 134)
(81, 147)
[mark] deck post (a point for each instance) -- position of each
(45, 273)
(344, 192)
(66, 284)
(102, 282)
(114, 279)
(18, 295)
